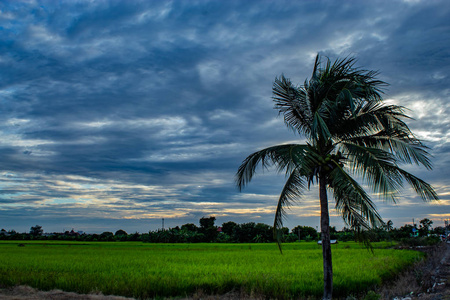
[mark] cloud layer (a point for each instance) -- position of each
(115, 114)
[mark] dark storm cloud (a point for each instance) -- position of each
(145, 109)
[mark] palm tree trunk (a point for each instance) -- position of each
(325, 234)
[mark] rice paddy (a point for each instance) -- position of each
(143, 270)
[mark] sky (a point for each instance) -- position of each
(117, 114)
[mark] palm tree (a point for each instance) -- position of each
(350, 135)
(389, 225)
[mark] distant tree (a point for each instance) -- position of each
(121, 235)
(347, 234)
(403, 232)
(304, 231)
(258, 238)
(207, 222)
(120, 232)
(284, 231)
(389, 225)
(36, 230)
(107, 236)
(245, 232)
(189, 227)
(228, 227)
(425, 226)
(265, 233)
(195, 237)
(133, 237)
(438, 230)
(208, 229)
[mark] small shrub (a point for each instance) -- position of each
(371, 295)
(421, 241)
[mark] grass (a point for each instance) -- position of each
(169, 270)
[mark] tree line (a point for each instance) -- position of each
(231, 232)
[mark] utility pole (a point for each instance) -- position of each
(162, 223)
(447, 229)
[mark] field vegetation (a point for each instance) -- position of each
(146, 270)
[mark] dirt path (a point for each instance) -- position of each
(29, 293)
(429, 280)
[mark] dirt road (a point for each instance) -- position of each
(428, 280)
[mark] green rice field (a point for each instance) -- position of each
(143, 270)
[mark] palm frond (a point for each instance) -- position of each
(423, 189)
(362, 122)
(292, 190)
(284, 157)
(336, 91)
(293, 104)
(352, 201)
(376, 166)
(319, 127)
(382, 127)
(405, 150)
